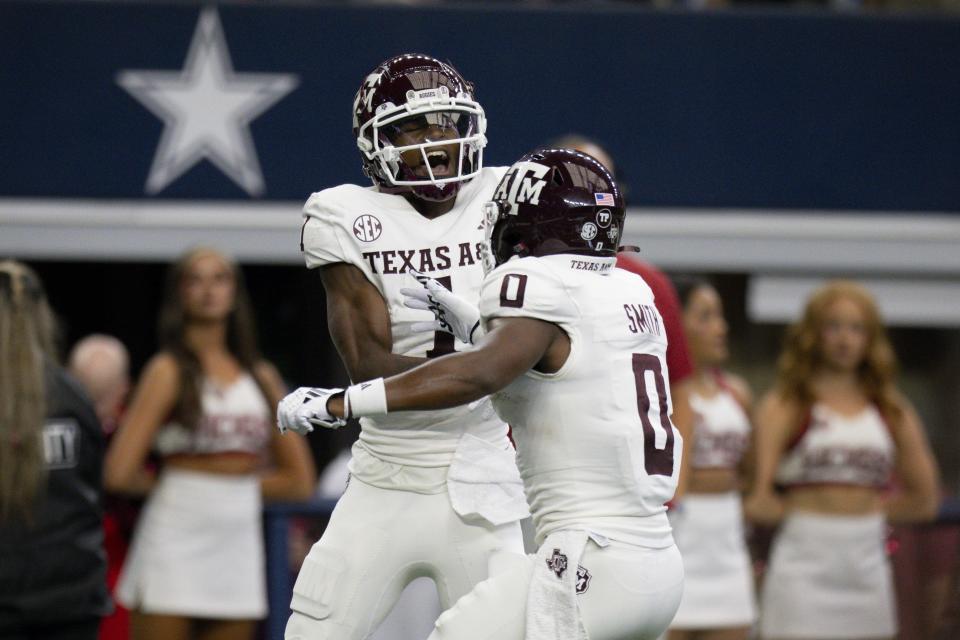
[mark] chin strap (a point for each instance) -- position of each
(628, 248)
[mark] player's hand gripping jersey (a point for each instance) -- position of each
(385, 237)
(594, 440)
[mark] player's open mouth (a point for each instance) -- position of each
(439, 160)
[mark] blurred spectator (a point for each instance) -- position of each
(830, 433)
(665, 297)
(718, 596)
(839, 5)
(912, 5)
(692, 4)
(102, 365)
(52, 565)
(588, 146)
(206, 403)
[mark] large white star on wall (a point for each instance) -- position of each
(207, 110)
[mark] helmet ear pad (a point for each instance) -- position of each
(512, 239)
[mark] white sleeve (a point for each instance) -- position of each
(526, 288)
(322, 237)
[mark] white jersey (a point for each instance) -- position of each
(384, 236)
(595, 445)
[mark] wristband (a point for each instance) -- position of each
(366, 399)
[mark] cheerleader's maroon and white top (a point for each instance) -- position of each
(832, 448)
(235, 418)
(721, 430)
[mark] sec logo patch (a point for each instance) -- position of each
(367, 228)
(588, 231)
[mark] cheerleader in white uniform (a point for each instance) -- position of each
(718, 595)
(830, 433)
(204, 404)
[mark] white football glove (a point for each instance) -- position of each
(305, 408)
(452, 314)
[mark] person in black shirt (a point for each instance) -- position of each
(52, 563)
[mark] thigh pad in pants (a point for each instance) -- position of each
(330, 601)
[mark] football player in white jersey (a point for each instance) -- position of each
(432, 494)
(574, 352)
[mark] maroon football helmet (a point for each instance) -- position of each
(555, 201)
(418, 127)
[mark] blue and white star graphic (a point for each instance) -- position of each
(207, 110)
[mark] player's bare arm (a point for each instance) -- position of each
(360, 324)
(511, 348)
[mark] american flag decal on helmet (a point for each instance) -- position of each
(603, 199)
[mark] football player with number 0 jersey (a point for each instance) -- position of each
(574, 352)
(432, 493)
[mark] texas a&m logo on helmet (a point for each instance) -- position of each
(555, 201)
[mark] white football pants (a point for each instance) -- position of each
(632, 595)
(377, 542)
